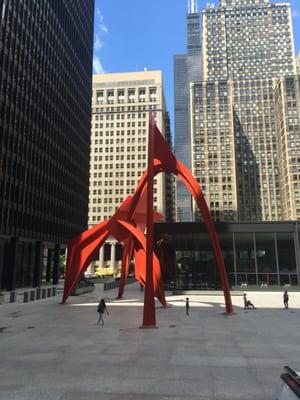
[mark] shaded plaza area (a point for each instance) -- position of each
(57, 352)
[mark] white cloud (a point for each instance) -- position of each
(98, 13)
(296, 13)
(97, 66)
(98, 42)
(99, 22)
(100, 31)
(103, 28)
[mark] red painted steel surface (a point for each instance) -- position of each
(128, 225)
(149, 318)
(126, 257)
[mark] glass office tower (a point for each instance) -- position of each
(187, 68)
(46, 51)
(182, 135)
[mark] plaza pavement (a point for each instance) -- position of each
(50, 351)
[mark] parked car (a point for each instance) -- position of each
(289, 388)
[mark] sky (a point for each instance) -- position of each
(130, 35)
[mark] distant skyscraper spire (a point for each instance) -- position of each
(192, 7)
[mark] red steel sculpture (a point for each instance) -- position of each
(128, 225)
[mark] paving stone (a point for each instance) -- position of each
(55, 352)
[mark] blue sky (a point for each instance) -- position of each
(131, 35)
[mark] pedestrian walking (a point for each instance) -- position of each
(187, 306)
(101, 310)
(286, 299)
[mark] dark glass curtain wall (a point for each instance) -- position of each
(262, 256)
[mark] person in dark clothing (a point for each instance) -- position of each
(187, 306)
(247, 303)
(101, 310)
(286, 299)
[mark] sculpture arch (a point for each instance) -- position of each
(127, 225)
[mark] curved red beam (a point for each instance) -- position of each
(83, 248)
(127, 222)
(126, 257)
(164, 160)
(140, 261)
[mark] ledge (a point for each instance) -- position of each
(82, 290)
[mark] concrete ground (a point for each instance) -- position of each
(53, 352)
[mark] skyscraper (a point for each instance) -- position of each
(46, 50)
(247, 47)
(298, 63)
(119, 142)
(213, 155)
(194, 45)
(182, 134)
(187, 68)
(287, 118)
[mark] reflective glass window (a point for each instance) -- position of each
(265, 252)
(244, 249)
(286, 252)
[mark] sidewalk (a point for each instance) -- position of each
(50, 351)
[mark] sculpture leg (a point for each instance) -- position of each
(82, 256)
(149, 318)
(157, 282)
(192, 185)
(127, 252)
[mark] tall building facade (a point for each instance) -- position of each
(298, 63)
(247, 47)
(121, 104)
(214, 155)
(287, 118)
(46, 51)
(187, 68)
(182, 134)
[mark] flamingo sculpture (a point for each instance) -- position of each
(128, 224)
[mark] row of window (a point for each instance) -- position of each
(112, 116)
(129, 96)
(138, 132)
(125, 109)
(129, 140)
